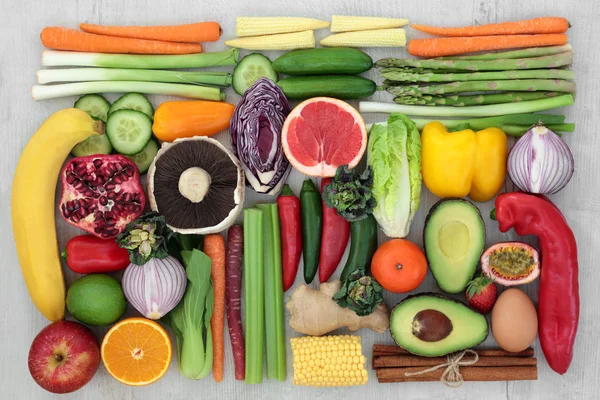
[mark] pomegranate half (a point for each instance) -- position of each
(511, 263)
(101, 194)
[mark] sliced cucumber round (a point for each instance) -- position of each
(95, 105)
(144, 158)
(129, 131)
(251, 68)
(98, 144)
(133, 101)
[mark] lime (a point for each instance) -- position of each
(96, 300)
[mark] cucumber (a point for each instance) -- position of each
(95, 105)
(344, 87)
(133, 101)
(250, 69)
(144, 158)
(93, 145)
(129, 131)
(339, 61)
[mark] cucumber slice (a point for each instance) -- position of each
(129, 131)
(93, 145)
(250, 69)
(95, 105)
(144, 158)
(133, 101)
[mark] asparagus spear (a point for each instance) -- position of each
(473, 100)
(528, 85)
(521, 53)
(394, 74)
(552, 61)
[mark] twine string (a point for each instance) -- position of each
(451, 376)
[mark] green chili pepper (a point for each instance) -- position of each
(312, 222)
(363, 243)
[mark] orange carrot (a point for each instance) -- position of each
(439, 47)
(526, 26)
(198, 32)
(214, 247)
(70, 39)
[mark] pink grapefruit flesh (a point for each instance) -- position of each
(321, 134)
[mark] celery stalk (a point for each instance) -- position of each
(274, 312)
(254, 299)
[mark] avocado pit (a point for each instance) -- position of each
(431, 326)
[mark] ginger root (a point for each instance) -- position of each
(314, 312)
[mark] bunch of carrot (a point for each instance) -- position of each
(547, 31)
(177, 39)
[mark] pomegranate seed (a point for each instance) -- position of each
(118, 166)
(96, 195)
(70, 178)
(75, 218)
(81, 172)
(120, 196)
(82, 202)
(111, 195)
(105, 235)
(108, 215)
(118, 179)
(97, 163)
(88, 193)
(118, 208)
(136, 197)
(138, 208)
(111, 222)
(129, 172)
(111, 168)
(103, 201)
(110, 186)
(127, 197)
(82, 212)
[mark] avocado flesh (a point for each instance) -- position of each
(469, 328)
(454, 238)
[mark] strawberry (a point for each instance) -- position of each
(481, 294)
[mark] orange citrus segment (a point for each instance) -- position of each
(137, 351)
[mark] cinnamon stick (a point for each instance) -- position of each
(416, 361)
(390, 350)
(479, 374)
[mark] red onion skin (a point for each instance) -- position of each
(540, 162)
(156, 287)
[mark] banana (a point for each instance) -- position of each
(33, 194)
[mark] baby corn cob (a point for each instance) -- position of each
(346, 23)
(375, 38)
(256, 26)
(283, 41)
(328, 361)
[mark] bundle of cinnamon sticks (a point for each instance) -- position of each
(392, 363)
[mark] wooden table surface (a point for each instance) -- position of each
(20, 48)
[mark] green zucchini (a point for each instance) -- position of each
(341, 61)
(344, 87)
(363, 243)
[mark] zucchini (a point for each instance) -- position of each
(337, 86)
(340, 61)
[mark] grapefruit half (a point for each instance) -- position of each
(321, 134)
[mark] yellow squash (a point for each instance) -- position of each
(457, 164)
(33, 194)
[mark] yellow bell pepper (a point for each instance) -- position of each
(457, 164)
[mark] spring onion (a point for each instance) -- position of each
(52, 58)
(274, 312)
(117, 74)
(44, 92)
(254, 295)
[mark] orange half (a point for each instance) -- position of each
(137, 351)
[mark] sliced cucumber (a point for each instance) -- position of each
(144, 158)
(250, 69)
(133, 101)
(129, 131)
(93, 145)
(95, 105)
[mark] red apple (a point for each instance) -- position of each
(64, 356)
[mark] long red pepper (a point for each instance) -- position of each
(233, 298)
(87, 254)
(558, 300)
(334, 238)
(291, 235)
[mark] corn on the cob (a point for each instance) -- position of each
(256, 26)
(283, 41)
(328, 361)
(376, 38)
(346, 23)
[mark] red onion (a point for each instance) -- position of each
(156, 287)
(540, 162)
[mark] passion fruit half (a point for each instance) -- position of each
(511, 263)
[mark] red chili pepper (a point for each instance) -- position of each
(558, 300)
(87, 254)
(291, 235)
(334, 238)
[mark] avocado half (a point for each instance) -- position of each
(432, 325)
(454, 239)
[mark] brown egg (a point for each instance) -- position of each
(514, 321)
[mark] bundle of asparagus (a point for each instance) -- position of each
(491, 78)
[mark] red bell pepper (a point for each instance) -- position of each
(87, 254)
(334, 238)
(558, 300)
(291, 235)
